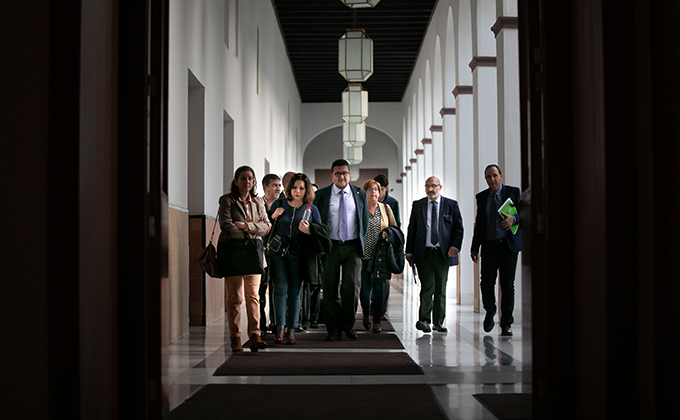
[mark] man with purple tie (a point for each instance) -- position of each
(344, 211)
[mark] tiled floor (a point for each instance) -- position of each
(457, 364)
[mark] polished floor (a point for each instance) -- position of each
(457, 364)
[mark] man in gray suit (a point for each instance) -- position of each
(344, 210)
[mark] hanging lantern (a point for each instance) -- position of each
(357, 4)
(353, 155)
(355, 56)
(353, 134)
(354, 172)
(354, 103)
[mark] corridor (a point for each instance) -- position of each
(457, 364)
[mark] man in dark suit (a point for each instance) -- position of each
(500, 248)
(344, 210)
(435, 235)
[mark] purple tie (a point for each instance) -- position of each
(342, 222)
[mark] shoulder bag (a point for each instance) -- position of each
(208, 257)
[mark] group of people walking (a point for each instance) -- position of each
(345, 242)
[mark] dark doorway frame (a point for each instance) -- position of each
(143, 205)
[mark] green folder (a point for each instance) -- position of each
(509, 208)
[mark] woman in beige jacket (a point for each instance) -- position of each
(243, 213)
(372, 290)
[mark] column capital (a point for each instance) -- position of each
(403, 174)
(426, 141)
(505, 22)
(418, 152)
(447, 111)
(462, 90)
(436, 128)
(482, 62)
(408, 168)
(413, 160)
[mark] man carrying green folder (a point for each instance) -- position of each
(497, 232)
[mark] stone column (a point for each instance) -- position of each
(437, 150)
(466, 188)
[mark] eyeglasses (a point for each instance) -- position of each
(339, 174)
(373, 190)
(432, 185)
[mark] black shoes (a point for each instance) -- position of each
(367, 322)
(351, 334)
(333, 336)
(422, 326)
(488, 320)
(440, 328)
(506, 331)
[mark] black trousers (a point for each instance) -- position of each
(498, 260)
(341, 291)
(265, 281)
(433, 272)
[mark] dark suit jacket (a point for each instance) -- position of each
(514, 241)
(394, 205)
(322, 202)
(450, 229)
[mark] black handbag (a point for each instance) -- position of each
(208, 258)
(241, 257)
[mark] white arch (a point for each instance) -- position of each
(450, 62)
(421, 114)
(427, 121)
(463, 43)
(437, 87)
(483, 18)
(396, 143)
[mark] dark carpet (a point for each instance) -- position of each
(358, 402)
(507, 406)
(312, 363)
(317, 340)
(384, 325)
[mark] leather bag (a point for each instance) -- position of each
(208, 258)
(241, 257)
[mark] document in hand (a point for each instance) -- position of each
(509, 208)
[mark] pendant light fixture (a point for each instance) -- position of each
(355, 55)
(357, 4)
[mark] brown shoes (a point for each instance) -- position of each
(256, 343)
(236, 344)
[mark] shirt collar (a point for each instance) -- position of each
(337, 190)
(438, 200)
(497, 192)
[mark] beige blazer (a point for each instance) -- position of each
(232, 210)
(386, 216)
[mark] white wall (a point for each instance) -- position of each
(265, 109)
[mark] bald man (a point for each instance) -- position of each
(435, 235)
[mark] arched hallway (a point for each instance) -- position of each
(95, 176)
(457, 364)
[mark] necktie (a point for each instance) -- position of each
(491, 222)
(434, 228)
(342, 222)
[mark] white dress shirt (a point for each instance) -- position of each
(350, 208)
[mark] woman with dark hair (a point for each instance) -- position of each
(242, 214)
(290, 239)
(372, 287)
